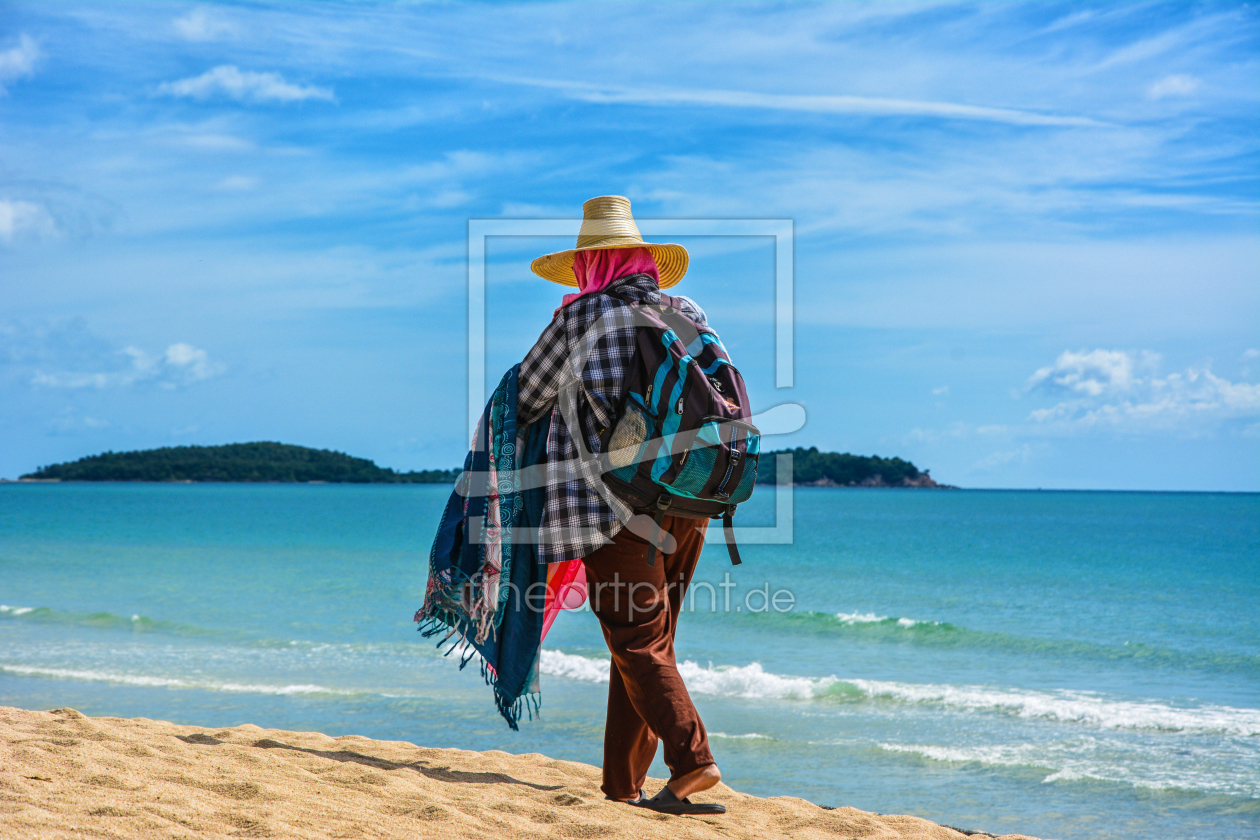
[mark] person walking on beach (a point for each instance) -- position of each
(577, 372)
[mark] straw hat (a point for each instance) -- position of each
(607, 223)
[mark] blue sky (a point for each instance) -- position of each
(1027, 250)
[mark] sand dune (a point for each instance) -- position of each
(66, 775)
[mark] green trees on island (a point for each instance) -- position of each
(263, 461)
(809, 466)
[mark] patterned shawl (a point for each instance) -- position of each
(486, 587)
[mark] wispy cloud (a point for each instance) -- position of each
(1176, 85)
(238, 183)
(231, 82)
(67, 355)
(20, 219)
(1123, 390)
(18, 61)
(213, 142)
(181, 364)
(851, 105)
(68, 420)
(202, 25)
(1019, 455)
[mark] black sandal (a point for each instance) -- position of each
(666, 802)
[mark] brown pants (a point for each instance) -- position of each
(637, 606)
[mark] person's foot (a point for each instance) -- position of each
(666, 803)
(695, 781)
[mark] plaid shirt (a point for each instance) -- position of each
(577, 370)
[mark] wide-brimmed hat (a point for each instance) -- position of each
(607, 223)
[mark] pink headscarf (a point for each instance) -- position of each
(596, 270)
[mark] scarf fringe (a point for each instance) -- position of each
(528, 704)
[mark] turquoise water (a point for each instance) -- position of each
(1068, 665)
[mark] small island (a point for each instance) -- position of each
(266, 461)
(235, 462)
(811, 468)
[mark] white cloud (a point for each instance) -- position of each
(189, 364)
(941, 391)
(181, 364)
(24, 218)
(200, 25)
(1175, 85)
(1118, 389)
(1091, 373)
(18, 61)
(244, 86)
(1251, 353)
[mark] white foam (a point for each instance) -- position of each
(756, 736)
(4, 608)
(861, 618)
(1072, 707)
(722, 681)
(165, 682)
(570, 666)
(1119, 761)
(278, 689)
(872, 618)
(992, 755)
(750, 681)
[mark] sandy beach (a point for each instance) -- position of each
(66, 775)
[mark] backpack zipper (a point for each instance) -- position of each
(730, 465)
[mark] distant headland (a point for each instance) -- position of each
(811, 468)
(236, 462)
(266, 461)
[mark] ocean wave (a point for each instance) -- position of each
(753, 681)
(104, 621)
(1101, 760)
(750, 681)
(1071, 707)
(148, 681)
(874, 627)
(850, 619)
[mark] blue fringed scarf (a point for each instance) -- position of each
(484, 562)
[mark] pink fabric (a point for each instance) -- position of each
(575, 596)
(566, 590)
(596, 270)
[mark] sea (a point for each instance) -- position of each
(1063, 664)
